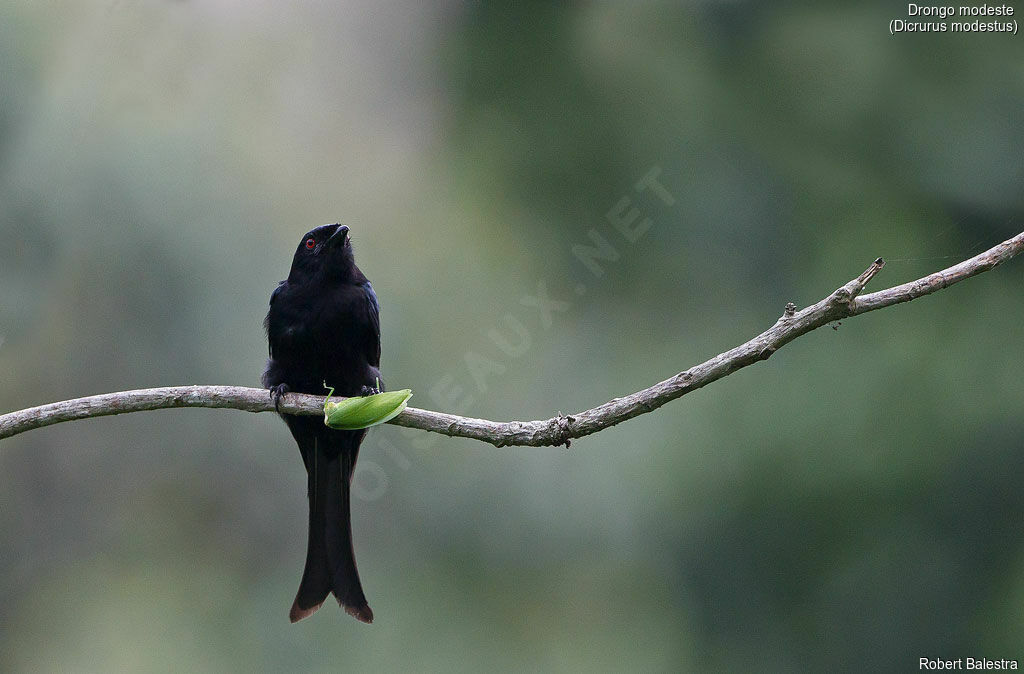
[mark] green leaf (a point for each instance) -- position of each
(352, 414)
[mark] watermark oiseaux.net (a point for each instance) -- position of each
(457, 390)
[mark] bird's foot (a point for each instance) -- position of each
(275, 394)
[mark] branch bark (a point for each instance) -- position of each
(844, 302)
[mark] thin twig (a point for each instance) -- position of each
(844, 302)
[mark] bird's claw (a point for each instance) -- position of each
(275, 394)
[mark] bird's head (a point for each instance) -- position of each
(324, 251)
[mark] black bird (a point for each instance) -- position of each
(324, 326)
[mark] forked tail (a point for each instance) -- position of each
(330, 560)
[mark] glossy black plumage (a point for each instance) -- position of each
(323, 325)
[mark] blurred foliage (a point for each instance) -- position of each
(850, 505)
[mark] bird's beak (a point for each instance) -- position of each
(339, 236)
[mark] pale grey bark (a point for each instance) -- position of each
(844, 302)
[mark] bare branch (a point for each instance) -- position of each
(844, 302)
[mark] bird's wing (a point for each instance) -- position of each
(277, 291)
(266, 321)
(373, 314)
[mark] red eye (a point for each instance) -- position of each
(310, 243)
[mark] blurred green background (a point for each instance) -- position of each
(853, 504)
